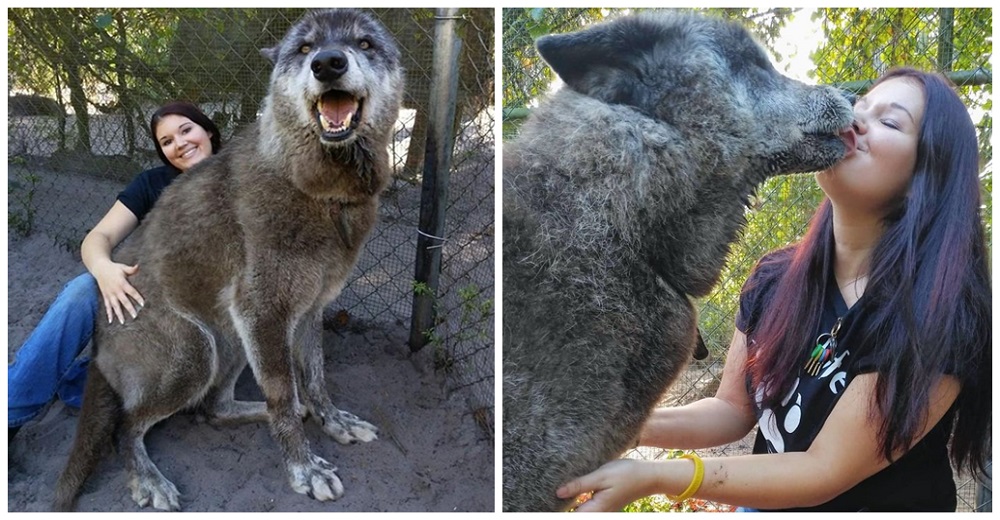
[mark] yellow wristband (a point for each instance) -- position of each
(699, 475)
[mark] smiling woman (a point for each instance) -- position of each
(185, 122)
(182, 141)
(46, 365)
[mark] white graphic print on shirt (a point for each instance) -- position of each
(778, 425)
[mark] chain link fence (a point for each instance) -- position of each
(82, 84)
(844, 47)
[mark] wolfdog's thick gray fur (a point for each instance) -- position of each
(240, 256)
(621, 197)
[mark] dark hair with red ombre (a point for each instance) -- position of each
(928, 297)
(183, 108)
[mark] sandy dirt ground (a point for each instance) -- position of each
(431, 454)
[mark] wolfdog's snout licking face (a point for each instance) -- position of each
(621, 196)
(715, 80)
(340, 78)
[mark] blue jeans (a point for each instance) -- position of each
(47, 364)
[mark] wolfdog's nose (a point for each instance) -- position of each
(329, 65)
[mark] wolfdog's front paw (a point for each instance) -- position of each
(347, 428)
(157, 489)
(316, 479)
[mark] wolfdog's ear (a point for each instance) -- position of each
(573, 55)
(271, 53)
(567, 55)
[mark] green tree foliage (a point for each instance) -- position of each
(58, 39)
(125, 60)
(863, 44)
(215, 57)
(108, 59)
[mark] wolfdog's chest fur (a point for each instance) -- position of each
(261, 227)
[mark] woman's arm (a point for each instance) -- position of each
(844, 453)
(112, 278)
(712, 421)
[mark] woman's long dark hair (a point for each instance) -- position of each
(928, 298)
(183, 108)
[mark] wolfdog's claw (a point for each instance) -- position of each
(347, 428)
(156, 489)
(316, 479)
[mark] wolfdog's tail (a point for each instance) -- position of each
(99, 416)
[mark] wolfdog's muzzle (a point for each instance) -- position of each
(337, 111)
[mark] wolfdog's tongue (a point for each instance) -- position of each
(338, 107)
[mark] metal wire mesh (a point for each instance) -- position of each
(855, 47)
(84, 82)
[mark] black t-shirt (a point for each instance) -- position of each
(140, 195)
(921, 480)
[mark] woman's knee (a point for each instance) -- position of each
(80, 290)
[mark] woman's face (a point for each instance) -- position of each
(183, 142)
(882, 149)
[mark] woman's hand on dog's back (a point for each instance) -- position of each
(118, 295)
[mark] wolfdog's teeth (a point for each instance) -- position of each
(335, 126)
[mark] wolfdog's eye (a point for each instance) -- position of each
(364, 44)
(305, 48)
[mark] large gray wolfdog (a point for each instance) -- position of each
(621, 196)
(240, 256)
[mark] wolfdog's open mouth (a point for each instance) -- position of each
(338, 113)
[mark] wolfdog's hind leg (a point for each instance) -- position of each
(220, 405)
(151, 394)
(229, 411)
(148, 485)
(344, 427)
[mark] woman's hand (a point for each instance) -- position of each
(116, 291)
(112, 278)
(616, 484)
